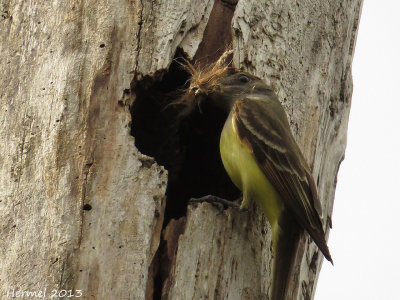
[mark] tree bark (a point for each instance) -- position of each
(83, 209)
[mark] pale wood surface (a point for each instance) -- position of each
(65, 142)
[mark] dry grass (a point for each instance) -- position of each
(202, 81)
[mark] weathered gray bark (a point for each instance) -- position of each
(65, 141)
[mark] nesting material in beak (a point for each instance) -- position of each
(203, 81)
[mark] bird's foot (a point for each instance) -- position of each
(218, 202)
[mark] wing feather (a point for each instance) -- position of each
(262, 122)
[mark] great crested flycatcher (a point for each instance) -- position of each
(264, 161)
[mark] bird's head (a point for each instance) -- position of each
(221, 84)
(235, 85)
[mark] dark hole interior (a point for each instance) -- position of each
(187, 147)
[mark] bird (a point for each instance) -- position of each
(263, 160)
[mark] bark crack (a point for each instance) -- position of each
(138, 36)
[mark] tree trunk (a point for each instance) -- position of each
(83, 209)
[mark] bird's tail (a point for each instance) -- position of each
(285, 239)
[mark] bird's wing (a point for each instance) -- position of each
(261, 121)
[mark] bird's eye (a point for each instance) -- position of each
(244, 79)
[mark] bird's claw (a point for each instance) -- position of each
(218, 202)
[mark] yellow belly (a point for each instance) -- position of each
(242, 168)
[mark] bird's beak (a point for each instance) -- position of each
(199, 91)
